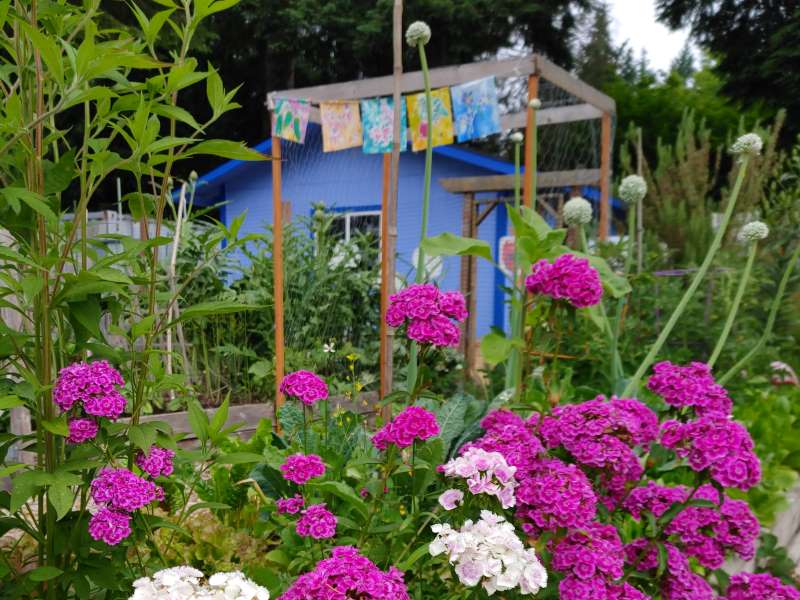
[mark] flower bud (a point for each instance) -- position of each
(753, 232)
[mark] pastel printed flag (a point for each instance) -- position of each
(291, 119)
(377, 121)
(341, 125)
(475, 110)
(442, 129)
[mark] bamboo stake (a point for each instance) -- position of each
(277, 269)
(605, 175)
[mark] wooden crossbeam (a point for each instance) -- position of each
(455, 75)
(498, 183)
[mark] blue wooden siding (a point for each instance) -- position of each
(351, 178)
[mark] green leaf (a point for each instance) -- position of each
(88, 314)
(225, 149)
(51, 54)
(58, 176)
(450, 417)
(412, 558)
(495, 347)
(216, 307)
(10, 401)
(25, 485)
(142, 436)
(10, 469)
(178, 114)
(61, 497)
(220, 417)
(34, 201)
(139, 328)
(238, 458)
(207, 505)
(57, 426)
(44, 573)
(198, 420)
(448, 244)
(346, 493)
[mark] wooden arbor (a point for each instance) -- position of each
(592, 104)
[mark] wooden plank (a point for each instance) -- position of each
(411, 81)
(605, 176)
(497, 183)
(568, 82)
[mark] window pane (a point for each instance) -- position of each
(337, 228)
(365, 225)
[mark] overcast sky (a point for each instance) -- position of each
(635, 20)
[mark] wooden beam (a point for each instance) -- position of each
(605, 175)
(411, 81)
(277, 270)
(497, 183)
(568, 82)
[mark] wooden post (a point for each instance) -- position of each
(530, 124)
(469, 273)
(605, 174)
(277, 269)
(386, 347)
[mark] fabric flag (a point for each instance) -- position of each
(291, 119)
(341, 125)
(377, 120)
(476, 112)
(442, 129)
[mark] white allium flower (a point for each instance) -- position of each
(418, 33)
(633, 189)
(490, 552)
(577, 211)
(535, 104)
(753, 231)
(516, 137)
(749, 143)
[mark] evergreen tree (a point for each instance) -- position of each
(683, 64)
(597, 58)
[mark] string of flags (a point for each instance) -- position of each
(463, 112)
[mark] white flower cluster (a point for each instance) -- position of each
(633, 189)
(489, 550)
(577, 211)
(418, 33)
(753, 232)
(749, 143)
(486, 473)
(186, 583)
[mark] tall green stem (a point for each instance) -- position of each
(426, 198)
(698, 278)
(773, 313)
(723, 337)
(616, 363)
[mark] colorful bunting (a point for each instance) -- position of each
(377, 119)
(291, 119)
(341, 125)
(442, 129)
(475, 109)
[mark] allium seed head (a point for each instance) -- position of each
(753, 232)
(516, 137)
(632, 189)
(577, 211)
(418, 33)
(749, 144)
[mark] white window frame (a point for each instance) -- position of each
(349, 214)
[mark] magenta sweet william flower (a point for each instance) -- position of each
(567, 278)
(290, 506)
(679, 582)
(721, 446)
(306, 386)
(413, 423)
(157, 462)
(510, 435)
(760, 586)
(653, 498)
(348, 574)
(690, 385)
(93, 385)
(317, 522)
(591, 559)
(81, 430)
(427, 312)
(300, 468)
(110, 526)
(123, 490)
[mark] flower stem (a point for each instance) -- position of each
(748, 267)
(616, 363)
(773, 313)
(698, 278)
(305, 430)
(514, 365)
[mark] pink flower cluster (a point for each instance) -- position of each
(511, 436)
(290, 506)
(347, 574)
(427, 313)
(708, 533)
(567, 278)
(679, 581)
(413, 423)
(119, 492)
(486, 473)
(691, 385)
(300, 468)
(318, 522)
(759, 586)
(654, 498)
(92, 387)
(554, 495)
(157, 462)
(720, 445)
(601, 435)
(306, 386)
(591, 559)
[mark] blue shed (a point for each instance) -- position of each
(349, 183)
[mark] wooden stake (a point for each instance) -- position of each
(277, 269)
(530, 125)
(605, 174)
(386, 349)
